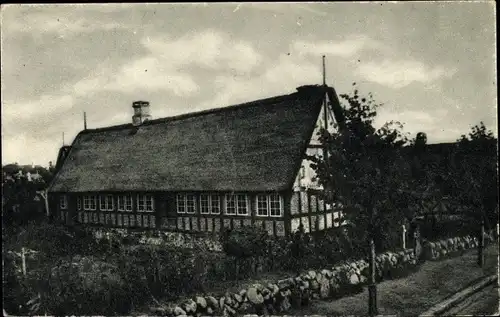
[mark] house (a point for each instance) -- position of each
(199, 172)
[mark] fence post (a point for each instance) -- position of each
(404, 237)
(23, 261)
(372, 286)
(480, 252)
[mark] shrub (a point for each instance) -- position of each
(244, 242)
(86, 285)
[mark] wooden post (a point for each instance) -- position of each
(324, 71)
(45, 195)
(372, 286)
(23, 261)
(480, 252)
(404, 237)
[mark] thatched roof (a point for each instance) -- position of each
(256, 146)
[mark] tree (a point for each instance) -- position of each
(21, 186)
(430, 168)
(475, 177)
(368, 176)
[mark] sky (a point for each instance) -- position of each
(432, 64)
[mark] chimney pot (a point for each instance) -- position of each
(141, 112)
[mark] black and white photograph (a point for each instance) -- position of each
(250, 159)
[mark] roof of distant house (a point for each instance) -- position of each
(255, 146)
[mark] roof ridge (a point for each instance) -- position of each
(261, 102)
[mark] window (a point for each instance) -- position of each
(145, 203)
(89, 202)
(79, 203)
(230, 205)
(209, 204)
(274, 205)
(204, 204)
(262, 205)
(186, 203)
(181, 204)
(106, 202)
(242, 204)
(125, 203)
(215, 204)
(269, 205)
(190, 204)
(63, 202)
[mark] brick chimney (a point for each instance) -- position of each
(141, 112)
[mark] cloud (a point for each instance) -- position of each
(282, 8)
(47, 104)
(152, 74)
(278, 79)
(344, 48)
(437, 124)
(63, 25)
(209, 49)
(290, 71)
(167, 64)
(24, 149)
(398, 74)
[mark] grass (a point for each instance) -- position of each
(416, 293)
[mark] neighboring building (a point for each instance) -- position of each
(199, 172)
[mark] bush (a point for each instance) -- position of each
(53, 240)
(79, 285)
(162, 271)
(245, 242)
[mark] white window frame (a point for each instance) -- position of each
(63, 202)
(217, 206)
(267, 201)
(87, 202)
(181, 202)
(106, 202)
(125, 203)
(257, 202)
(205, 209)
(280, 202)
(230, 197)
(190, 203)
(213, 204)
(244, 198)
(143, 199)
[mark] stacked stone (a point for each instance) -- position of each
(279, 297)
(258, 299)
(451, 246)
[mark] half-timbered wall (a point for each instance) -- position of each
(167, 213)
(307, 208)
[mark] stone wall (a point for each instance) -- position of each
(336, 281)
(333, 282)
(448, 247)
